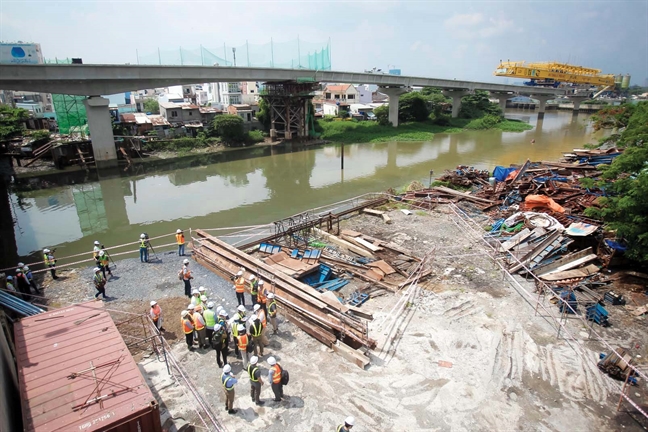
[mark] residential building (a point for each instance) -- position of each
(365, 93)
(136, 123)
(207, 115)
(379, 97)
(333, 108)
(229, 93)
(171, 98)
(242, 110)
(342, 93)
(249, 92)
(35, 108)
(185, 113)
(189, 93)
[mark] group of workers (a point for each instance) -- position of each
(22, 282)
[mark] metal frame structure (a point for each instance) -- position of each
(70, 114)
(288, 102)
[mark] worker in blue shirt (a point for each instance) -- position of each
(228, 381)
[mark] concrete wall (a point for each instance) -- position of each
(364, 94)
(330, 109)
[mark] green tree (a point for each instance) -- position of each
(230, 128)
(477, 105)
(625, 209)
(382, 115)
(263, 115)
(436, 102)
(12, 121)
(412, 107)
(152, 106)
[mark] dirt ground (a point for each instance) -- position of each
(508, 370)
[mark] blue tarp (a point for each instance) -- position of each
(616, 246)
(500, 173)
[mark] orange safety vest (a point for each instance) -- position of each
(187, 327)
(180, 238)
(198, 322)
(186, 275)
(276, 373)
(240, 285)
(243, 342)
(155, 312)
(261, 298)
(262, 316)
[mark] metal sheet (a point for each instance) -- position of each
(52, 346)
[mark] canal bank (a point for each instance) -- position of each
(265, 186)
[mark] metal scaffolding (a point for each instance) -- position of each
(288, 102)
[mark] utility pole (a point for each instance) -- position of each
(234, 53)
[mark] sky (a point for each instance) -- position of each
(462, 40)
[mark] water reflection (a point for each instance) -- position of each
(268, 184)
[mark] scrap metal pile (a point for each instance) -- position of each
(537, 222)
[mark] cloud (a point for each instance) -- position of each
(496, 26)
(415, 45)
(463, 20)
(476, 25)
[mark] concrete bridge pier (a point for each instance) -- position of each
(394, 95)
(502, 98)
(577, 100)
(101, 133)
(542, 104)
(456, 96)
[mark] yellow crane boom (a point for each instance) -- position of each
(559, 72)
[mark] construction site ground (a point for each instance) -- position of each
(469, 352)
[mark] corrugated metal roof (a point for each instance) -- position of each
(158, 120)
(127, 118)
(52, 346)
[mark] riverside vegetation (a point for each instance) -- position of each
(421, 115)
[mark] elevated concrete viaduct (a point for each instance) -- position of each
(96, 80)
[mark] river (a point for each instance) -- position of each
(261, 185)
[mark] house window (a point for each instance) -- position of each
(351, 96)
(190, 113)
(328, 95)
(249, 117)
(251, 91)
(174, 114)
(337, 96)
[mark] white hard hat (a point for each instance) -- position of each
(46, 250)
(219, 308)
(254, 360)
(252, 277)
(96, 242)
(184, 313)
(21, 264)
(9, 277)
(202, 289)
(349, 421)
(102, 253)
(178, 231)
(257, 307)
(240, 273)
(96, 269)
(18, 271)
(222, 313)
(241, 308)
(270, 295)
(26, 268)
(203, 298)
(260, 281)
(272, 361)
(210, 305)
(153, 302)
(227, 368)
(191, 306)
(241, 328)
(254, 317)
(217, 327)
(186, 261)
(142, 236)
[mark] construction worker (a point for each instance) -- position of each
(254, 289)
(243, 342)
(254, 372)
(156, 315)
(203, 292)
(274, 376)
(201, 330)
(50, 261)
(99, 283)
(104, 264)
(203, 301)
(188, 328)
(240, 314)
(239, 287)
(220, 344)
(143, 247)
(223, 319)
(264, 322)
(181, 242)
(186, 277)
(11, 287)
(262, 296)
(228, 381)
(210, 321)
(348, 424)
(272, 312)
(256, 331)
(22, 284)
(28, 274)
(195, 297)
(96, 249)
